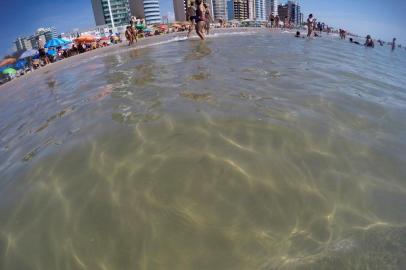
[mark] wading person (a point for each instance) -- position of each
(272, 20)
(277, 19)
(369, 42)
(209, 19)
(393, 44)
(190, 17)
(310, 22)
(200, 18)
(129, 35)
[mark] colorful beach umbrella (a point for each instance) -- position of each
(66, 41)
(29, 53)
(55, 42)
(8, 61)
(9, 71)
(85, 39)
(51, 52)
(20, 64)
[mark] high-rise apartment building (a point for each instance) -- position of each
(271, 7)
(148, 9)
(251, 9)
(27, 43)
(291, 10)
(230, 10)
(179, 7)
(220, 9)
(23, 44)
(260, 10)
(111, 12)
(240, 9)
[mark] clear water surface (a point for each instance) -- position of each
(247, 151)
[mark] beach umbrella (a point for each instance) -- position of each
(9, 71)
(85, 39)
(29, 53)
(20, 64)
(67, 46)
(55, 42)
(66, 41)
(3, 68)
(7, 61)
(51, 52)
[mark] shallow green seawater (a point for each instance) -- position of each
(250, 151)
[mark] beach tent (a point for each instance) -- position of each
(9, 71)
(55, 42)
(29, 53)
(8, 61)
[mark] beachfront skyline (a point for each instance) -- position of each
(381, 19)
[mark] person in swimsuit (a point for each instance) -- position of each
(272, 20)
(393, 44)
(369, 42)
(209, 19)
(200, 19)
(277, 19)
(42, 54)
(190, 17)
(129, 35)
(310, 22)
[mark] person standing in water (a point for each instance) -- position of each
(129, 35)
(272, 20)
(190, 17)
(393, 44)
(277, 19)
(369, 42)
(209, 19)
(200, 19)
(310, 22)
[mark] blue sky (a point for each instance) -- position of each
(380, 18)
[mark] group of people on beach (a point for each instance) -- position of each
(312, 27)
(199, 18)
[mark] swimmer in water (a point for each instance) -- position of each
(355, 42)
(369, 42)
(393, 44)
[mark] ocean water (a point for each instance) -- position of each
(246, 151)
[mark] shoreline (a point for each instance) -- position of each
(143, 43)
